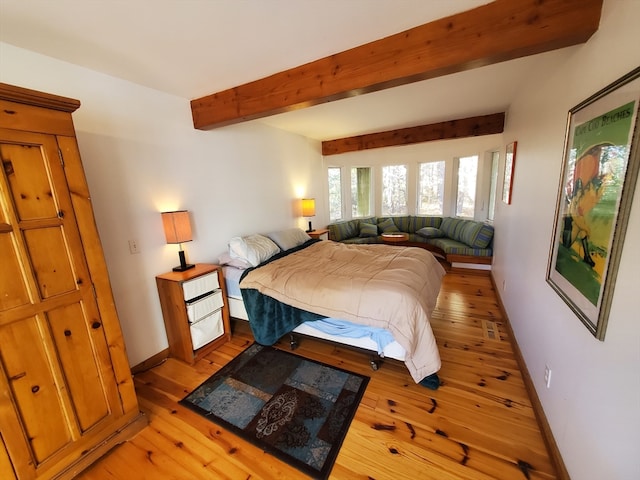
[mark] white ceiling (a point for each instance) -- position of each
(192, 48)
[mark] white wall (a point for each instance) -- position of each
(593, 404)
(142, 155)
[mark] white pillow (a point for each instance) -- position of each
(254, 249)
(289, 238)
(226, 259)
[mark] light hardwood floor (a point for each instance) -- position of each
(478, 425)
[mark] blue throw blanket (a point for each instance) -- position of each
(342, 328)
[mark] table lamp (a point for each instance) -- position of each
(177, 229)
(309, 210)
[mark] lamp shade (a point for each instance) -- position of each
(177, 228)
(308, 207)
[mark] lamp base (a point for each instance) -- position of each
(181, 268)
(310, 227)
(183, 263)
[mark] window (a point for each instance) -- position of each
(495, 157)
(431, 188)
(335, 193)
(462, 185)
(360, 192)
(394, 190)
(466, 197)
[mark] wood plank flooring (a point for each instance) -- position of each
(479, 425)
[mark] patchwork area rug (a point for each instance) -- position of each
(296, 409)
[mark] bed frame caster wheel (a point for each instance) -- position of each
(374, 365)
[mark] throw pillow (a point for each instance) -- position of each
(387, 226)
(483, 236)
(289, 238)
(368, 230)
(430, 232)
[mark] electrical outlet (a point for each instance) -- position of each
(547, 376)
(133, 247)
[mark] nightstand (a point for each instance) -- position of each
(319, 232)
(195, 311)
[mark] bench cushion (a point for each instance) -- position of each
(416, 223)
(474, 234)
(450, 246)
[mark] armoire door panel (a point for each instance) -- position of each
(72, 338)
(50, 260)
(13, 290)
(8, 473)
(13, 436)
(25, 167)
(34, 389)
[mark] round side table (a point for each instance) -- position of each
(398, 237)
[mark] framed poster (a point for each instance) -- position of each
(509, 165)
(599, 173)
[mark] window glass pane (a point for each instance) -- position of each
(360, 192)
(335, 193)
(467, 173)
(431, 188)
(494, 185)
(394, 190)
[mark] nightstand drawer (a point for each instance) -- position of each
(204, 306)
(207, 329)
(201, 285)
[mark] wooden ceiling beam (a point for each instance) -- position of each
(461, 128)
(499, 31)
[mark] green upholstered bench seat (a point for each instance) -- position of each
(462, 238)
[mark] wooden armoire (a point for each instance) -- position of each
(66, 391)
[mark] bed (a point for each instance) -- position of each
(376, 297)
(374, 341)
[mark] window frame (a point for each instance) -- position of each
(341, 190)
(418, 187)
(456, 181)
(371, 191)
(406, 187)
(494, 167)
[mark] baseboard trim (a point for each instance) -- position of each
(472, 259)
(547, 434)
(471, 266)
(150, 362)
